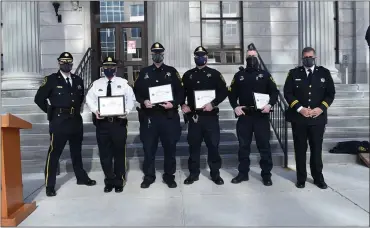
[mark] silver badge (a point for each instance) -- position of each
(198, 82)
(209, 75)
(241, 78)
(168, 74)
(146, 76)
(322, 79)
(191, 76)
(79, 87)
(260, 75)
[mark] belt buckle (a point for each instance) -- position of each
(110, 119)
(72, 111)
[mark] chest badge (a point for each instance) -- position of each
(322, 79)
(79, 87)
(119, 87)
(168, 74)
(191, 76)
(146, 76)
(241, 78)
(209, 75)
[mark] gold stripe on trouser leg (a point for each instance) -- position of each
(48, 159)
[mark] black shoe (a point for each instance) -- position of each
(300, 184)
(240, 178)
(108, 188)
(191, 179)
(218, 180)
(267, 181)
(146, 183)
(88, 182)
(171, 183)
(50, 192)
(321, 184)
(118, 189)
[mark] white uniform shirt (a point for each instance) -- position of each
(119, 87)
(65, 76)
(307, 73)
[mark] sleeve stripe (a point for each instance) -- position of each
(326, 104)
(293, 103)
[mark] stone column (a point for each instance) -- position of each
(21, 45)
(316, 29)
(172, 30)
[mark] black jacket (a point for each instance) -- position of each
(299, 92)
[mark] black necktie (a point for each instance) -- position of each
(109, 89)
(309, 75)
(69, 84)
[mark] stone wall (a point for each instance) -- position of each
(72, 35)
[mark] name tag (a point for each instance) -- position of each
(298, 79)
(60, 87)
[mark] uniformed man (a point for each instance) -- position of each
(65, 92)
(250, 120)
(203, 122)
(111, 132)
(159, 121)
(309, 91)
(367, 36)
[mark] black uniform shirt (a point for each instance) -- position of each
(55, 88)
(249, 81)
(299, 92)
(152, 76)
(204, 79)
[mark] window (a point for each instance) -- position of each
(221, 26)
(121, 11)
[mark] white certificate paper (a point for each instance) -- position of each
(261, 100)
(203, 97)
(112, 106)
(160, 94)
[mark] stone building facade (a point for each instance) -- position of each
(32, 37)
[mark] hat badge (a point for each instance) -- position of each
(66, 55)
(109, 59)
(156, 45)
(200, 49)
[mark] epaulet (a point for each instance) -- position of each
(241, 69)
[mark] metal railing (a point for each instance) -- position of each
(277, 117)
(83, 69)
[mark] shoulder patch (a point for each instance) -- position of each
(44, 81)
(222, 78)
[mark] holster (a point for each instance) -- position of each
(140, 114)
(49, 113)
(93, 117)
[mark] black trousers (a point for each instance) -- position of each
(63, 129)
(314, 134)
(260, 126)
(168, 130)
(111, 138)
(207, 128)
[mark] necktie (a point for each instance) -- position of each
(69, 84)
(309, 77)
(109, 89)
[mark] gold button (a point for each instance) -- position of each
(309, 99)
(310, 86)
(309, 93)
(73, 100)
(71, 93)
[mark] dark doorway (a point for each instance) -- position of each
(119, 30)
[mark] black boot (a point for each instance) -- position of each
(147, 182)
(108, 188)
(191, 179)
(218, 180)
(50, 192)
(240, 178)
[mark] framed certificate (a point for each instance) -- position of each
(261, 100)
(111, 106)
(203, 97)
(160, 94)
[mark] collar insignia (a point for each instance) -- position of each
(209, 75)
(79, 87)
(146, 76)
(191, 76)
(241, 78)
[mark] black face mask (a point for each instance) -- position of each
(308, 61)
(252, 62)
(66, 68)
(157, 58)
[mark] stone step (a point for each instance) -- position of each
(228, 161)
(224, 114)
(34, 109)
(226, 135)
(27, 100)
(333, 121)
(136, 150)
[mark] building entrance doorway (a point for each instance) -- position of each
(119, 30)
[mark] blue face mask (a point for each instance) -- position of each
(109, 72)
(200, 60)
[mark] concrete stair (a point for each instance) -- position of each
(348, 120)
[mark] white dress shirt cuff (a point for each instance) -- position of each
(299, 109)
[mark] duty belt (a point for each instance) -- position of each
(70, 111)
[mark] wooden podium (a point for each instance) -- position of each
(13, 209)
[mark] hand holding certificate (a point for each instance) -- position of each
(160, 94)
(261, 100)
(111, 106)
(203, 97)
